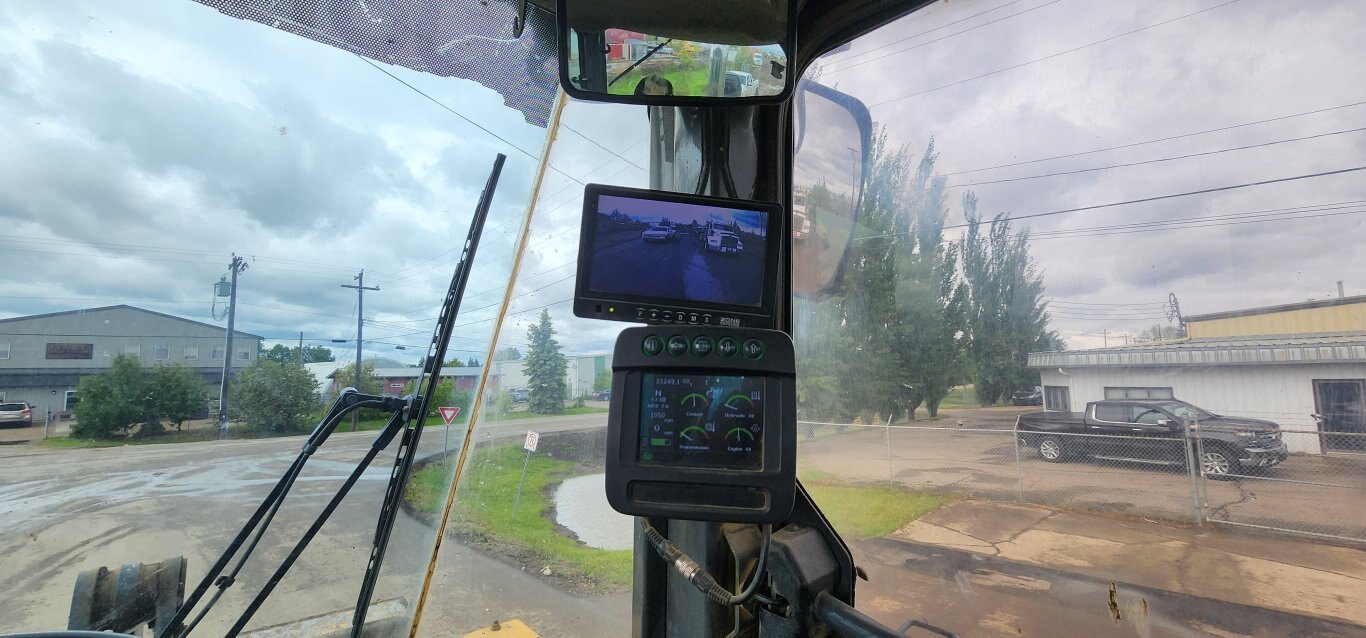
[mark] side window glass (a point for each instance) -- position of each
(1112, 413)
(1147, 415)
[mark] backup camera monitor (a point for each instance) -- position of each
(667, 258)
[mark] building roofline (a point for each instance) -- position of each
(128, 307)
(1266, 310)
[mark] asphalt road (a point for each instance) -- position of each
(64, 511)
(681, 268)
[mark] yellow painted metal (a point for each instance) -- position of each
(1349, 317)
(510, 629)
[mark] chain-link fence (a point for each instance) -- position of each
(1316, 492)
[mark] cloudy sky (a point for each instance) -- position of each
(146, 142)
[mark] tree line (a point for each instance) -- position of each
(917, 314)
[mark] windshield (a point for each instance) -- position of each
(1128, 201)
(1138, 201)
(1186, 411)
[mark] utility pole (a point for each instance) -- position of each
(299, 354)
(360, 321)
(237, 267)
(1105, 334)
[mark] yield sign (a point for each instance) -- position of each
(448, 414)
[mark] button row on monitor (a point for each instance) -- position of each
(674, 317)
(701, 346)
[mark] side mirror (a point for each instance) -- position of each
(833, 136)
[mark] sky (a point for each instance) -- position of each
(147, 142)
(679, 213)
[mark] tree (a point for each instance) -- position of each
(277, 398)
(279, 354)
(508, 354)
(1160, 332)
(370, 383)
(318, 354)
(178, 393)
(545, 368)
(1006, 315)
(113, 402)
(472, 362)
(602, 380)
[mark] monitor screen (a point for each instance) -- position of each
(676, 250)
(698, 420)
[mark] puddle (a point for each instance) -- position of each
(581, 505)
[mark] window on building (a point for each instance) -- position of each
(133, 351)
(1057, 398)
(244, 355)
(70, 400)
(4, 350)
(161, 353)
(70, 351)
(217, 352)
(1139, 393)
(191, 353)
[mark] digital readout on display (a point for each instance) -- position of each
(696, 420)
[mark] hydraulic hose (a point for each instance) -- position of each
(699, 577)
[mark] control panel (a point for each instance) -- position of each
(702, 424)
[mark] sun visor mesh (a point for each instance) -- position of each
(469, 39)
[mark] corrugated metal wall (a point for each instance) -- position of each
(1280, 393)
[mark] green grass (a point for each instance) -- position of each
(527, 414)
(187, 436)
(691, 82)
(960, 397)
(484, 508)
(872, 512)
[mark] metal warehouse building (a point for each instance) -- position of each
(43, 357)
(1281, 363)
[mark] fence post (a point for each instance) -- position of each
(887, 430)
(1193, 468)
(1019, 474)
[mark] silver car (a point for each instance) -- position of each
(16, 413)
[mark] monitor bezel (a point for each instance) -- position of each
(596, 304)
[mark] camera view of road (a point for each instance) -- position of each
(681, 259)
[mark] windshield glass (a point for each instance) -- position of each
(1186, 410)
(1109, 201)
(185, 170)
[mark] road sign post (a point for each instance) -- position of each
(529, 445)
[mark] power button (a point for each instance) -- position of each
(652, 345)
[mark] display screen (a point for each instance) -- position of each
(702, 421)
(676, 251)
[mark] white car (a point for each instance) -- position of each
(657, 233)
(724, 241)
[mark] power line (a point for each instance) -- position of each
(1158, 160)
(462, 116)
(1155, 141)
(929, 42)
(1168, 196)
(1232, 223)
(1055, 55)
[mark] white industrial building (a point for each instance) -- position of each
(1314, 364)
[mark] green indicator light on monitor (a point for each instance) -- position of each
(659, 442)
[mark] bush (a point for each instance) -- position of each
(274, 398)
(114, 402)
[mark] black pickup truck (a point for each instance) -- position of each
(1153, 431)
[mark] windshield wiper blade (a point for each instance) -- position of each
(637, 62)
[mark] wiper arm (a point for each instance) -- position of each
(637, 62)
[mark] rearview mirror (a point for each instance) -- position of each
(832, 134)
(670, 53)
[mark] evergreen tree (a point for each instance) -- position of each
(545, 368)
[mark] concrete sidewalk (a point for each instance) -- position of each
(1272, 572)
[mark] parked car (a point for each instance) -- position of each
(1027, 396)
(1153, 431)
(602, 395)
(519, 395)
(16, 413)
(724, 241)
(658, 233)
(740, 84)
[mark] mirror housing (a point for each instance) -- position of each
(669, 53)
(832, 139)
